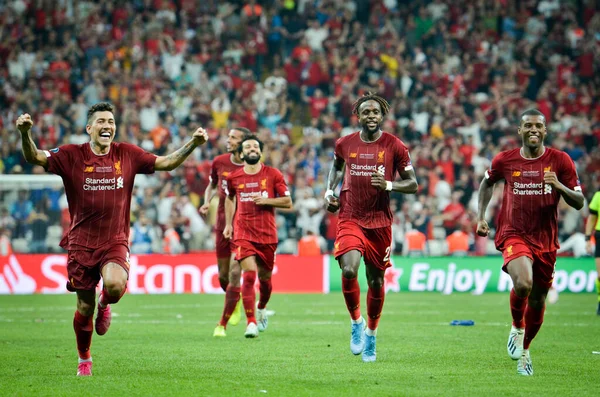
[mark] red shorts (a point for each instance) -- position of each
(84, 267)
(225, 247)
(543, 262)
(265, 253)
(375, 245)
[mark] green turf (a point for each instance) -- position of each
(163, 345)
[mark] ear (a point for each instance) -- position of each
(88, 129)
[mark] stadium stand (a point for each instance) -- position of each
(456, 73)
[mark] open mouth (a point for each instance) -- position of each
(534, 138)
(371, 124)
(105, 135)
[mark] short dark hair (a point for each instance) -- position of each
(99, 107)
(531, 112)
(371, 96)
(250, 138)
(246, 131)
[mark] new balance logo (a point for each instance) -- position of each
(13, 280)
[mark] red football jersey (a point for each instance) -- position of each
(222, 166)
(98, 189)
(255, 222)
(529, 206)
(359, 201)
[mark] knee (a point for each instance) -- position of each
(375, 283)
(85, 308)
(235, 276)
(349, 271)
(523, 286)
(115, 287)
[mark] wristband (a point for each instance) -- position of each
(588, 238)
(328, 193)
(388, 186)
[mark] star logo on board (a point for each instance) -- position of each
(391, 279)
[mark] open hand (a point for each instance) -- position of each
(260, 200)
(24, 123)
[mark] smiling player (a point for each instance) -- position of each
(98, 178)
(536, 177)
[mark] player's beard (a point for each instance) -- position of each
(251, 161)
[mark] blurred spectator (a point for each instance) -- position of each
(456, 73)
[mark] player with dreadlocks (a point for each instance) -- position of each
(368, 161)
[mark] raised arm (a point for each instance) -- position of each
(174, 160)
(333, 180)
(486, 189)
(31, 153)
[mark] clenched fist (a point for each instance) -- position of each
(24, 123)
(200, 136)
(482, 228)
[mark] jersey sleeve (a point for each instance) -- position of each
(568, 174)
(595, 204)
(402, 158)
(214, 173)
(280, 187)
(230, 189)
(60, 159)
(496, 171)
(143, 161)
(338, 152)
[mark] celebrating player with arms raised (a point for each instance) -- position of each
(98, 177)
(536, 177)
(368, 161)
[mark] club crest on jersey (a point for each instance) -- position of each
(380, 156)
(509, 250)
(118, 170)
(548, 169)
(263, 184)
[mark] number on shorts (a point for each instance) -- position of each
(386, 258)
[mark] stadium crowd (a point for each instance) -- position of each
(456, 73)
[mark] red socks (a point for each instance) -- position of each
(351, 291)
(265, 287)
(84, 329)
(533, 321)
(249, 295)
(375, 298)
(517, 308)
(107, 299)
(232, 296)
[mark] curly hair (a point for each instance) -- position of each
(100, 107)
(371, 96)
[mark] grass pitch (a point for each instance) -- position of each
(163, 345)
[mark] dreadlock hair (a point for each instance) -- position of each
(371, 96)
